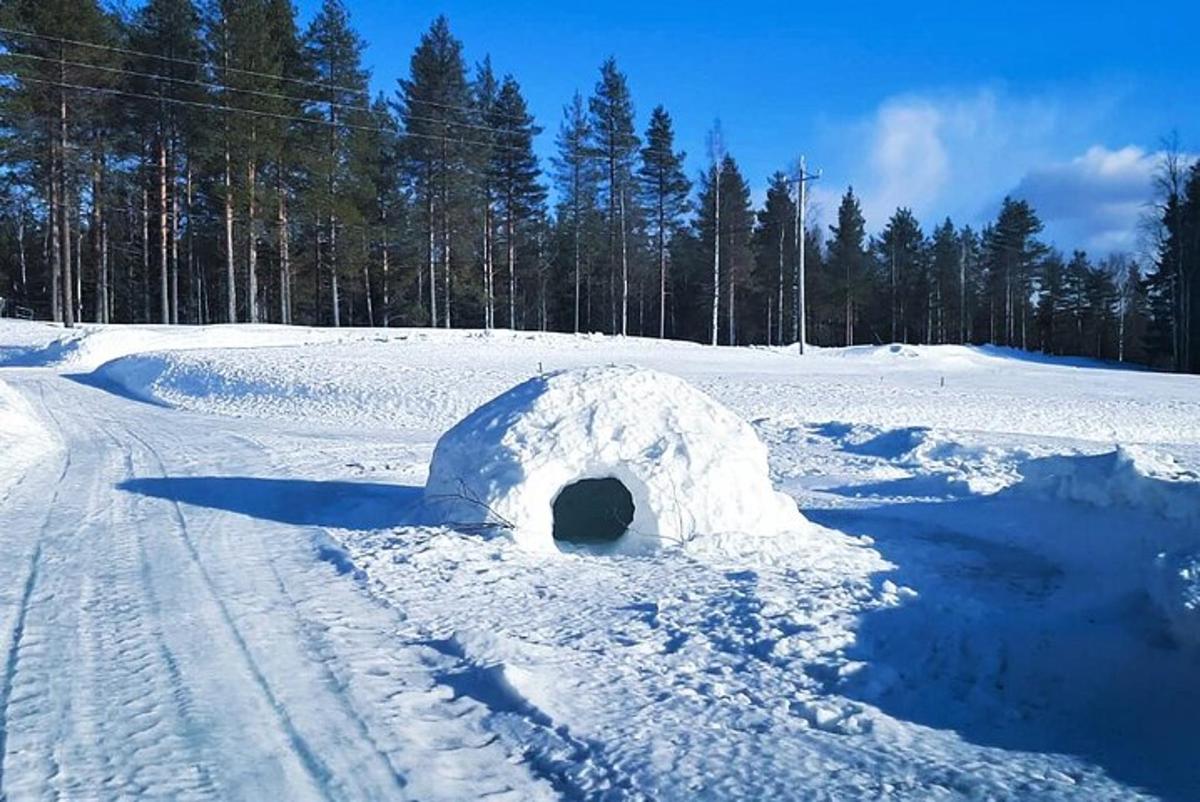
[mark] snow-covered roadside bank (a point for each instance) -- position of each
(23, 439)
(964, 623)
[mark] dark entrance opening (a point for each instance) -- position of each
(592, 512)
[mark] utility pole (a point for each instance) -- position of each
(798, 312)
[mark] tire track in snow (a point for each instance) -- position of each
(316, 769)
(116, 723)
(17, 637)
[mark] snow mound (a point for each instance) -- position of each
(1130, 477)
(22, 437)
(690, 467)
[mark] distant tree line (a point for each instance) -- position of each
(187, 163)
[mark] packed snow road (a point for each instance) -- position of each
(216, 581)
(158, 649)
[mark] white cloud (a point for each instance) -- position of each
(1093, 201)
(959, 153)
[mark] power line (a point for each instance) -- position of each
(238, 70)
(256, 92)
(189, 81)
(284, 117)
(178, 60)
(258, 113)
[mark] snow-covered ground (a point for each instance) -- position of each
(218, 582)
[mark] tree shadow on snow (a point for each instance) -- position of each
(1024, 646)
(300, 502)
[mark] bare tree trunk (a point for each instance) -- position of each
(433, 312)
(230, 273)
(716, 296)
(21, 254)
(163, 267)
(575, 204)
(174, 247)
(67, 281)
(285, 263)
(624, 270)
(662, 264)
(489, 288)
(333, 272)
(779, 311)
(251, 238)
(367, 279)
(385, 268)
(101, 307)
(194, 289)
(55, 242)
(511, 244)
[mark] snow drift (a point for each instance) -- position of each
(689, 466)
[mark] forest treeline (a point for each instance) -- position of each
(213, 162)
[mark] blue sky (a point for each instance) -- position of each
(945, 107)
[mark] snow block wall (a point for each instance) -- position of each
(690, 465)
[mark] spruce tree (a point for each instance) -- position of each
(615, 142)
(333, 53)
(847, 257)
(515, 169)
(434, 106)
(664, 191)
(576, 177)
(775, 238)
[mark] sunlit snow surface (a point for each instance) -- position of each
(216, 584)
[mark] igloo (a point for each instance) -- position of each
(622, 458)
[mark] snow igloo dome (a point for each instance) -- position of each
(621, 458)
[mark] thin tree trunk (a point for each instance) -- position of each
(230, 274)
(163, 265)
(67, 281)
(433, 311)
(367, 279)
(333, 272)
(716, 296)
(662, 259)
(101, 306)
(174, 244)
(285, 262)
(251, 239)
(384, 269)
(510, 231)
(55, 242)
(194, 288)
(624, 270)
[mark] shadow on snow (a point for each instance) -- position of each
(300, 502)
(1018, 644)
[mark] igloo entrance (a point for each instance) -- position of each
(592, 512)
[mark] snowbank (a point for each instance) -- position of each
(1149, 482)
(22, 437)
(1130, 477)
(691, 466)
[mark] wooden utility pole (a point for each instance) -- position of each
(800, 311)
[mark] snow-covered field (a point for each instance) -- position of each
(218, 581)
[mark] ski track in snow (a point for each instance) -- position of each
(225, 593)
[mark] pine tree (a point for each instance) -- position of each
(664, 191)
(616, 143)
(434, 105)
(577, 177)
(333, 53)
(776, 228)
(516, 173)
(1013, 252)
(847, 257)
(945, 256)
(901, 251)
